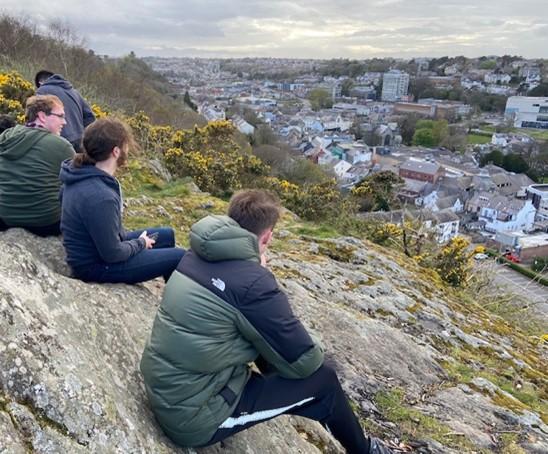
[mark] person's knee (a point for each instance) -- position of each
(168, 234)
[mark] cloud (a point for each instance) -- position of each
(309, 29)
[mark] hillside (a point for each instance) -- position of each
(429, 367)
(125, 84)
(426, 367)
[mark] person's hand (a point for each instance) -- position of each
(149, 242)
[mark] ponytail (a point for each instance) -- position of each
(83, 159)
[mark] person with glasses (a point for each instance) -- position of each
(30, 161)
(77, 110)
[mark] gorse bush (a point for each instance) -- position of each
(212, 157)
(14, 91)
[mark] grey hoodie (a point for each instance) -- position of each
(77, 111)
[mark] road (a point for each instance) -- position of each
(521, 285)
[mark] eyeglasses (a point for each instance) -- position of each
(57, 115)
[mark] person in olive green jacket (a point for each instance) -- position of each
(30, 161)
(222, 310)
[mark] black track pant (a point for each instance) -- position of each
(319, 397)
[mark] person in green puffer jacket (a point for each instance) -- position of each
(222, 310)
(30, 160)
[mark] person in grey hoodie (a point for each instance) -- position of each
(30, 160)
(78, 114)
(97, 246)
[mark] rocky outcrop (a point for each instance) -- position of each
(69, 355)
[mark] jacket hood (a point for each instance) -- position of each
(216, 238)
(58, 80)
(17, 141)
(71, 175)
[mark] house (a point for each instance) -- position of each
(444, 224)
(211, 113)
(242, 125)
(358, 172)
(502, 213)
(421, 170)
(436, 203)
(497, 78)
(387, 135)
(509, 183)
(341, 167)
(337, 124)
(500, 140)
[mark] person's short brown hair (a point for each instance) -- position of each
(255, 210)
(40, 103)
(100, 138)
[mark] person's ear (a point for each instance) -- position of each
(41, 116)
(266, 237)
(116, 152)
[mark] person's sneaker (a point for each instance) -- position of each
(376, 446)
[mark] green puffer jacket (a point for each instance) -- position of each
(220, 310)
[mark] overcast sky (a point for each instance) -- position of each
(303, 28)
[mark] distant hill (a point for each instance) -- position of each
(126, 84)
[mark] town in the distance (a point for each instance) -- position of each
(469, 137)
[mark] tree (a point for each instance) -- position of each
(419, 86)
(264, 135)
(539, 90)
(189, 103)
(514, 163)
(377, 192)
(495, 157)
(320, 99)
(346, 87)
(456, 139)
(407, 126)
(424, 137)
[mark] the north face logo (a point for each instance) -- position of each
(218, 283)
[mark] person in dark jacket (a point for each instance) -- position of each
(6, 122)
(98, 248)
(30, 160)
(221, 310)
(77, 111)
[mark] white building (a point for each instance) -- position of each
(497, 78)
(242, 125)
(528, 111)
(538, 194)
(506, 214)
(394, 85)
(444, 224)
(500, 140)
(341, 168)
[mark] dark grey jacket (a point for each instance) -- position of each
(77, 111)
(220, 310)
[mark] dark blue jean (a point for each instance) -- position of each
(148, 264)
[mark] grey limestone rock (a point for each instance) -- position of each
(70, 351)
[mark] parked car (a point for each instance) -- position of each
(480, 256)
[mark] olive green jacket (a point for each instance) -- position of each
(220, 310)
(30, 161)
